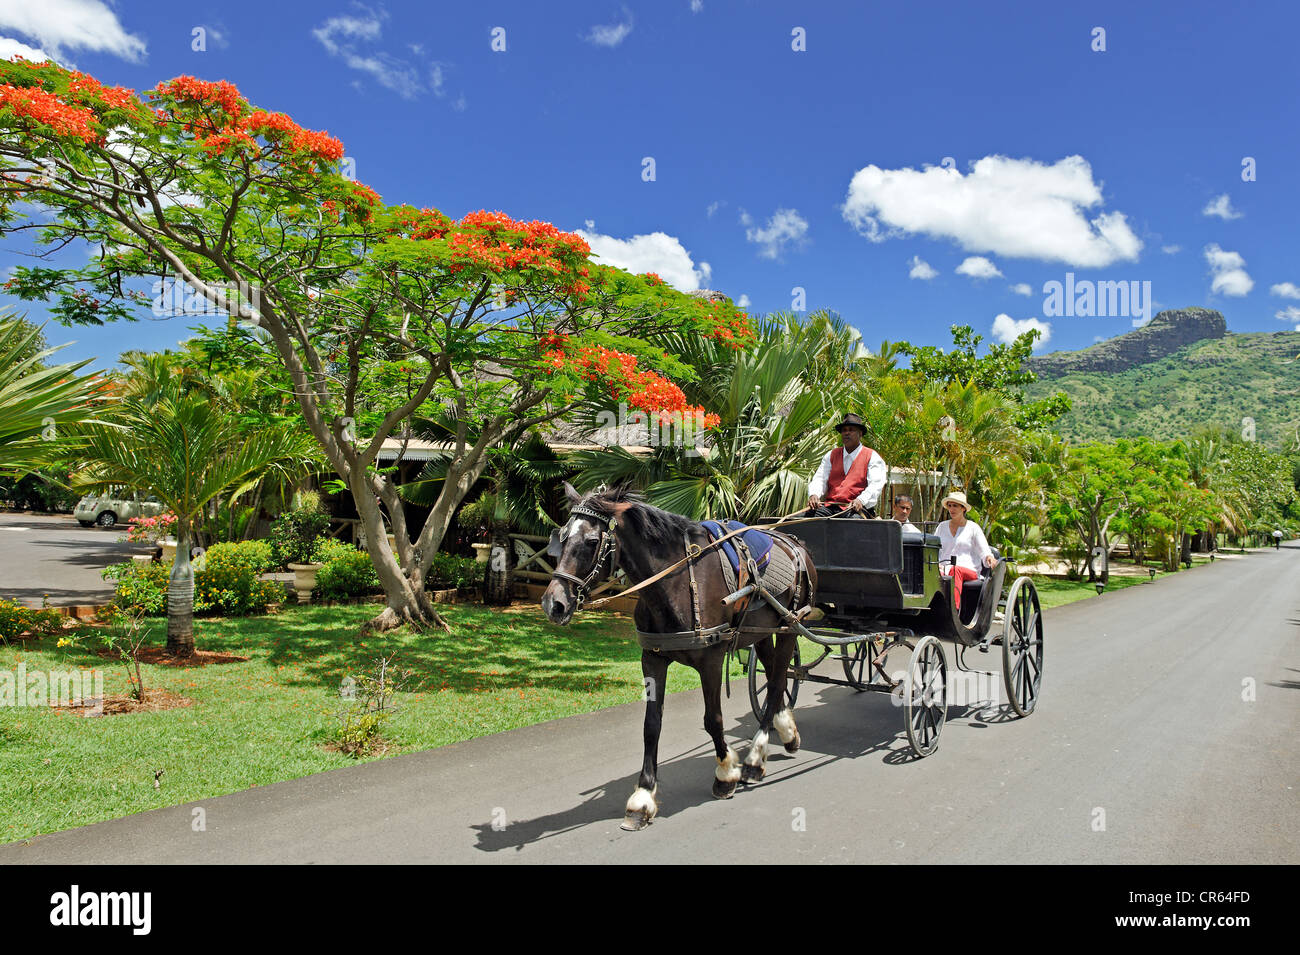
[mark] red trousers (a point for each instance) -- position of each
(962, 574)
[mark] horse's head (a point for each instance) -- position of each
(585, 550)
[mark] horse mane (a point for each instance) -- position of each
(660, 530)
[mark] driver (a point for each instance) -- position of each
(851, 475)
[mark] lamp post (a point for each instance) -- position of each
(1152, 572)
(1100, 587)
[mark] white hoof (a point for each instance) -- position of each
(784, 725)
(757, 754)
(641, 808)
(728, 770)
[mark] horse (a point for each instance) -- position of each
(681, 618)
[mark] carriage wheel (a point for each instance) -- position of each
(857, 662)
(925, 696)
(1022, 646)
(758, 683)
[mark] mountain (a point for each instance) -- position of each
(1164, 335)
(1181, 371)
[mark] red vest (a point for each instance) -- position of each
(844, 488)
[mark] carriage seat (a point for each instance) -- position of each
(916, 537)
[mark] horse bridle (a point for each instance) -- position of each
(608, 547)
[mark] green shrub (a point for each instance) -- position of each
(140, 587)
(228, 581)
(15, 620)
(347, 573)
(329, 548)
(295, 535)
(454, 570)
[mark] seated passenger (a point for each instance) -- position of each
(851, 475)
(902, 511)
(964, 540)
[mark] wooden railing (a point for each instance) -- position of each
(534, 565)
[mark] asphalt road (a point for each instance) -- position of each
(1142, 750)
(56, 556)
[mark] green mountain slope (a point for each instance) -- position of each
(1216, 381)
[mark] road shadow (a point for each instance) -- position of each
(851, 726)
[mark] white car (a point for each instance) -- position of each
(107, 510)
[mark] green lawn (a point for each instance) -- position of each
(1057, 591)
(266, 720)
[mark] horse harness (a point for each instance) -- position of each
(608, 547)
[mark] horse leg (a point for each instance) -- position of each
(783, 719)
(727, 773)
(642, 805)
(756, 759)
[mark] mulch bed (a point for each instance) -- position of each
(158, 656)
(154, 701)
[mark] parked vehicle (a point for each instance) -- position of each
(106, 510)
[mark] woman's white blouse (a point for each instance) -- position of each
(968, 545)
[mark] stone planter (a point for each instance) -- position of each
(168, 552)
(443, 596)
(481, 552)
(304, 580)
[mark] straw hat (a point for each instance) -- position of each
(957, 497)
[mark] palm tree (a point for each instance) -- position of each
(37, 400)
(184, 449)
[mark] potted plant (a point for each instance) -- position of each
(295, 538)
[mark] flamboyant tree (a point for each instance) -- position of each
(370, 314)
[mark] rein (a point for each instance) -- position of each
(779, 522)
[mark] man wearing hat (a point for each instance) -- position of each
(851, 476)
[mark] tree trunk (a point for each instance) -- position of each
(499, 580)
(407, 601)
(180, 597)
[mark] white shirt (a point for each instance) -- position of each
(969, 545)
(877, 472)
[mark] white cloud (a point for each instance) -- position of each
(1022, 288)
(713, 207)
(1007, 329)
(745, 218)
(1288, 314)
(1229, 271)
(347, 37)
(1286, 290)
(978, 267)
(785, 227)
(61, 26)
(657, 252)
(589, 225)
(743, 301)
(1221, 206)
(612, 34)
(921, 269)
(11, 48)
(1012, 207)
(1171, 249)
(697, 6)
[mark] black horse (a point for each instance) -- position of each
(615, 528)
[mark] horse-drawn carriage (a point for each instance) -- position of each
(859, 588)
(879, 588)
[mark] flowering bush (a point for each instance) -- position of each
(16, 620)
(226, 580)
(229, 581)
(151, 530)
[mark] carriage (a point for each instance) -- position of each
(879, 588)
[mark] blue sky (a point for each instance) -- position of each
(821, 169)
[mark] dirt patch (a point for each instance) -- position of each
(154, 701)
(158, 656)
